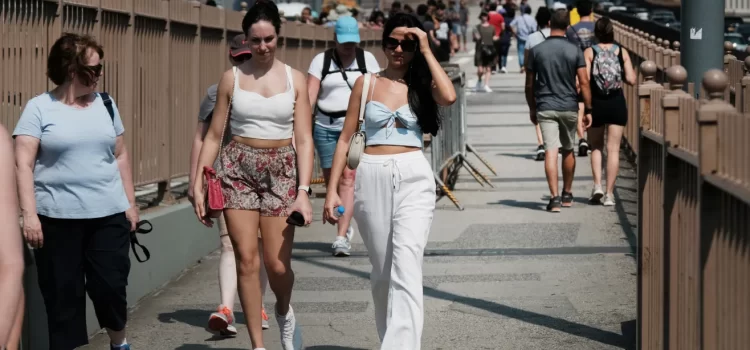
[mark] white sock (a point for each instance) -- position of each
(124, 342)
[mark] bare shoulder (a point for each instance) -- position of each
(227, 82)
(298, 77)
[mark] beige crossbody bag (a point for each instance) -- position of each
(357, 142)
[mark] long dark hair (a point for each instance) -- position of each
(418, 78)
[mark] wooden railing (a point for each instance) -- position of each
(160, 56)
(693, 158)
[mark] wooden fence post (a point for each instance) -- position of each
(648, 69)
(677, 76)
(715, 83)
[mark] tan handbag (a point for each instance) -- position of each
(357, 142)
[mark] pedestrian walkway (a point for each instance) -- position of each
(502, 274)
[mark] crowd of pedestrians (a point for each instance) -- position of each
(253, 153)
(251, 168)
(575, 75)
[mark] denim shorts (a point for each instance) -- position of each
(325, 144)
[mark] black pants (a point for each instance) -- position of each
(79, 256)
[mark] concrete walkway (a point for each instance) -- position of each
(503, 274)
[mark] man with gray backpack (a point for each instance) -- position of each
(609, 68)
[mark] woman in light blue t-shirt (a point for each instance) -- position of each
(76, 194)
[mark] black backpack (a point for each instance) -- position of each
(330, 56)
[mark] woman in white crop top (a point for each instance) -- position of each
(263, 179)
(394, 192)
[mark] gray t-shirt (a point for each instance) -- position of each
(206, 110)
(76, 175)
(555, 62)
(582, 34)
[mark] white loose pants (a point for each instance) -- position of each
(394, 200)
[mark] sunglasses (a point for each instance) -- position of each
(407, 45)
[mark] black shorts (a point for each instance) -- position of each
(610, 110)
(80, 256)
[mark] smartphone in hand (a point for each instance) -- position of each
(296, 219)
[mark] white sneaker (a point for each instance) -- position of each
(504, 70)
(487, 88)
(608, 200)
(479, 86)
(341, 246)
(350, 233)
(291, 332)
(596, 194)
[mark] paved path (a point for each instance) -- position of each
(509, 275)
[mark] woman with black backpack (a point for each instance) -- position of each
(609, 68)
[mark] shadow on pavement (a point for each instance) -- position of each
(317, 246)
(195, 317)
(519, 155)
(551, 322)
(202, 347)
(520, 204)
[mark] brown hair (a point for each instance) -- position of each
(68, 55)
(604, 31)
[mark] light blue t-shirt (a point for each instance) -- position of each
(76, 174)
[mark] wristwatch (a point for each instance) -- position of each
(306, 189)
(587, 110)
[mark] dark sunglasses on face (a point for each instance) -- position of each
(407, 45)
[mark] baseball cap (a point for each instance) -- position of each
(347, 30)
(559, 6)
(238, 46)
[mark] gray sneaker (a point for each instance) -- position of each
(608, 200)
(341, 246)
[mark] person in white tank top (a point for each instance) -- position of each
(263, 178)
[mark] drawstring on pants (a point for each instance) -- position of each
(395, 173)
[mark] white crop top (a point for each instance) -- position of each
(258, 117)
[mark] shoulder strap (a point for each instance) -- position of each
(542, 32)
(596, 48)
(108, 104)
(327, 57)
(363, 101)
(229, 108)
(289, 77)
(361, 63)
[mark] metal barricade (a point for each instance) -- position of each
(449, 149)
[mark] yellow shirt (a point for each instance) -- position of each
(575, 17)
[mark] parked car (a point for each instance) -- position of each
(618, 8)
(738, 41)
(662, 16)
(731, 23)
(744, 30)
(639, 12)
(605, 5)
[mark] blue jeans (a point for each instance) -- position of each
(325, 143)
(521, 46)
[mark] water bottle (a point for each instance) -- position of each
(339, 211)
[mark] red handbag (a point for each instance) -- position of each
(214, 196)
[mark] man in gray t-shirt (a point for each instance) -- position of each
(551, 94)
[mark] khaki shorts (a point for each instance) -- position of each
(558, 129)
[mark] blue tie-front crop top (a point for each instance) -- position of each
(380, 125)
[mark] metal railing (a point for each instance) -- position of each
(160, 57)
(449, 148)
(694, 199)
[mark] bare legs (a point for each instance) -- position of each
(614, 137)
(550, 168)
(243, 226)
(227, 267)
(14, 338)
(486, 74)
(346, 193)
